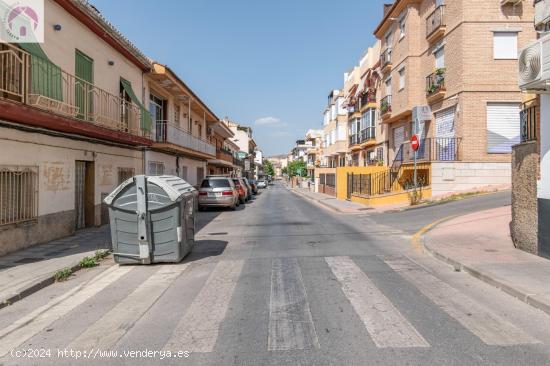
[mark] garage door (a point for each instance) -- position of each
(503, 127)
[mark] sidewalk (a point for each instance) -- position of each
(480, 244)
(27, 271)
(343, 206)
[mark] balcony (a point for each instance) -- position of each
(36, 82)
(367, 98)
(166, 132)
(385, 61)
(224, 154)
(238, 162)
(435, 85)
(368, 134)
(435, 24)
(385, 107)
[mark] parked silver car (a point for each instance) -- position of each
(217, 191)
(262, 184)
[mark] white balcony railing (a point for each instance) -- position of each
(165, 131)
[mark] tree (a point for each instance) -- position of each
(268, 168)
(284, 170)
(297, 168)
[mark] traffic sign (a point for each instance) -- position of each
(415, 143)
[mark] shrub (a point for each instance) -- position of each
(62, 274)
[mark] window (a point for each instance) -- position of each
(177, 115)
(124, 174)
(388, 86)
(200, 174)
(402, 25)
(389, 39)
(440, 58)
(402, 78)
(156, 168)
(18, 193)
(503, 127)
(505, 45)
(184, 172)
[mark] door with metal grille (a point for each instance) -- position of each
(80, 192)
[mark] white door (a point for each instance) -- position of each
(503, 127)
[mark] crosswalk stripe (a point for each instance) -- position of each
(489, 327)
(107, 331)
(24, 328)
(197, 330)
(290, 323)
(385, 324)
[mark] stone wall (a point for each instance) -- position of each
(524, 227)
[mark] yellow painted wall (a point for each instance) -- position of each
(390, 198)
(342, 177)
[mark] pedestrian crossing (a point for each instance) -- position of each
(292, 323)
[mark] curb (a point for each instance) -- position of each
(492, 280)
(314, 200)
(36, 286)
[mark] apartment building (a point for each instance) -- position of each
(367, 136)
(182, 126)
(224, 164)
(313, 139)
(247, 146)
(72, 127)
(335, 131)
(452, 65)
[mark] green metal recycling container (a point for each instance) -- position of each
(152, 219)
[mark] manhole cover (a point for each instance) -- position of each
(29, 260)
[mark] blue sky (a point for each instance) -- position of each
(266, 64)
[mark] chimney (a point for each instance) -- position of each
(387, 8)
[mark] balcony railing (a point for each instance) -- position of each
(385, 105)
(431, 149)
(165, 131)
(354, 139)
(435, 20)
(367, 97)
(528, 123)
(224, 154)
(385, 58)
(39, 83)
(368, 133)
(435, 82)
(238, 162)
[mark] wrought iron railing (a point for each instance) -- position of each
(18, 193)
(224, 154)
(435, 82)
(165, 131)
(367, 98)
(385, 105)
(528, 123)
(38, 82)
(435, 20)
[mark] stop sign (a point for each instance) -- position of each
(415, 143)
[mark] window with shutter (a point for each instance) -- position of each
(503, 127)
(505, 45)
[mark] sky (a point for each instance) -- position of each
(267, 64)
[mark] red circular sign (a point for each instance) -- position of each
(415, 144)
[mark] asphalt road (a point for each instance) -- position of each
(282, 281)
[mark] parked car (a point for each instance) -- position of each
(245, 180)
(254, 185)
(241, 190)
(217, 191)
(262, 184)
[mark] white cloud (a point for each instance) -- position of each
(269, 121)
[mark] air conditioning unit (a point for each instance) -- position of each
(542, 15)
(534, 66)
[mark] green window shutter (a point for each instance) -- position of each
(84, 71)
(146, 120)
(46, 78)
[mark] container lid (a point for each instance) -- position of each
(161, 191)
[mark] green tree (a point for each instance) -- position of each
(268, 168)
(297, 168)
(284, 170)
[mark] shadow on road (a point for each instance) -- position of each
(206, 248)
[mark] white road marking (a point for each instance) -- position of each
(26, 327)
(108, 330)
(290, 323)
(489, 327)
(386, 325)
(197, 330)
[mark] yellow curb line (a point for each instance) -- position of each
(415, 240)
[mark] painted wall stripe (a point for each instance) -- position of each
(290, 323)
(489, 327)
(197, 330)
(385, 324)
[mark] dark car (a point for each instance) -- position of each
(248, 186)
(254, 185)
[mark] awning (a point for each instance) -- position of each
(146, 120)
(219, 162)
(46, 76)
